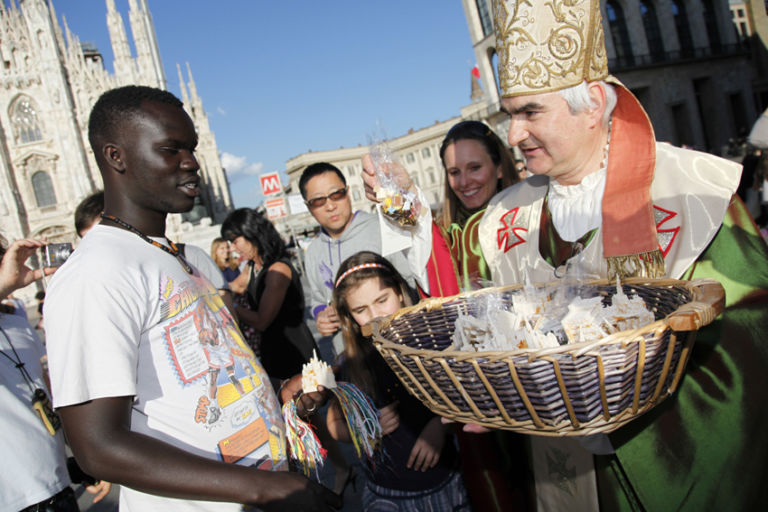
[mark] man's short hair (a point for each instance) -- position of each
(578, 99)
(118, 105)
(88, 211)
(315, 170)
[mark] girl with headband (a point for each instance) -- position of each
(418, 470)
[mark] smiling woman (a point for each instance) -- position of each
(477, 166)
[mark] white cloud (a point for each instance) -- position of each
(239, 165)
(221, 111)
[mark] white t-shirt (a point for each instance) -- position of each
(123, 318)
(34, 466)
(200, 259)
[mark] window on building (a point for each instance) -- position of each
(618, 27)
(681, 125)
(197, 213)
(483, 9)
(26, 125)
(710, 20)
(683, 27)
(356, 194)
(738, 112)
(652, 30)
(43, 188)
(431, 176)
(743, 32)
(741, 12)
(426, 153)
(410, 158)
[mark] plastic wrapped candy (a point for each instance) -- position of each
(397, 202)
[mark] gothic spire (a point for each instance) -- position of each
(147, 53)
(192, 87)
(183, 87)
(124, 65)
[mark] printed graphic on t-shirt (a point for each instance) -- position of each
(208, 353)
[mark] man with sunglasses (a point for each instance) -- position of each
(342, 234)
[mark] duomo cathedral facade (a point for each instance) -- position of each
(48, 84)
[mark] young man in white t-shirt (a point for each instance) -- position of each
(128, 318)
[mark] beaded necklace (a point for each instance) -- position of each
(172, 250)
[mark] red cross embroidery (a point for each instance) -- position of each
(508, 228)
(674, 230)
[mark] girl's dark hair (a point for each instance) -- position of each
(258, 230)
(362, 357)
(496, 149)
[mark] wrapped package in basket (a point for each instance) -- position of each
(549, 359)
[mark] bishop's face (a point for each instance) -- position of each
(160, 168)
(554, 141)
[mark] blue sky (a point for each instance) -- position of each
(278, 78)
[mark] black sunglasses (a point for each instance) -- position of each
(336, 195)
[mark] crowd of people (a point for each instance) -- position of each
(168, 366)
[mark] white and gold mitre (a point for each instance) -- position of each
(548, 45)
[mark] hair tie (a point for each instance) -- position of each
(356, 268)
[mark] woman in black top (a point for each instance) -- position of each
(273, 291)
(276, 301)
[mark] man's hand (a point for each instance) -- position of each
(371, 182)
(99, 490)
(14, 274)
(327, 321)
(100, 436)
(389, 418)
(294, 492)
(306, 403)
(426, 450)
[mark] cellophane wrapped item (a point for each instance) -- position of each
(396, 200)
(540, 318)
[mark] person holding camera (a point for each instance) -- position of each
(34, 474)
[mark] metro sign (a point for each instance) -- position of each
(276, 208)
(270, 183)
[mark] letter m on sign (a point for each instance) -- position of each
(270, 183)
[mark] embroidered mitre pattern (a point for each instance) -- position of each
(548, 45)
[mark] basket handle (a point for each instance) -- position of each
(708, 302)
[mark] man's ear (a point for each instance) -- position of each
(113, 156)
(597, 96)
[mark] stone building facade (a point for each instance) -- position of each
(49, 81)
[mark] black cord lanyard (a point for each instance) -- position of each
(17, 362)
(40, 401)
(173, 250)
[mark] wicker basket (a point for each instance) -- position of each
(576, 389)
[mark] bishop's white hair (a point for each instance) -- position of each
(578, 99)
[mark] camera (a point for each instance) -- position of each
(56, 254)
